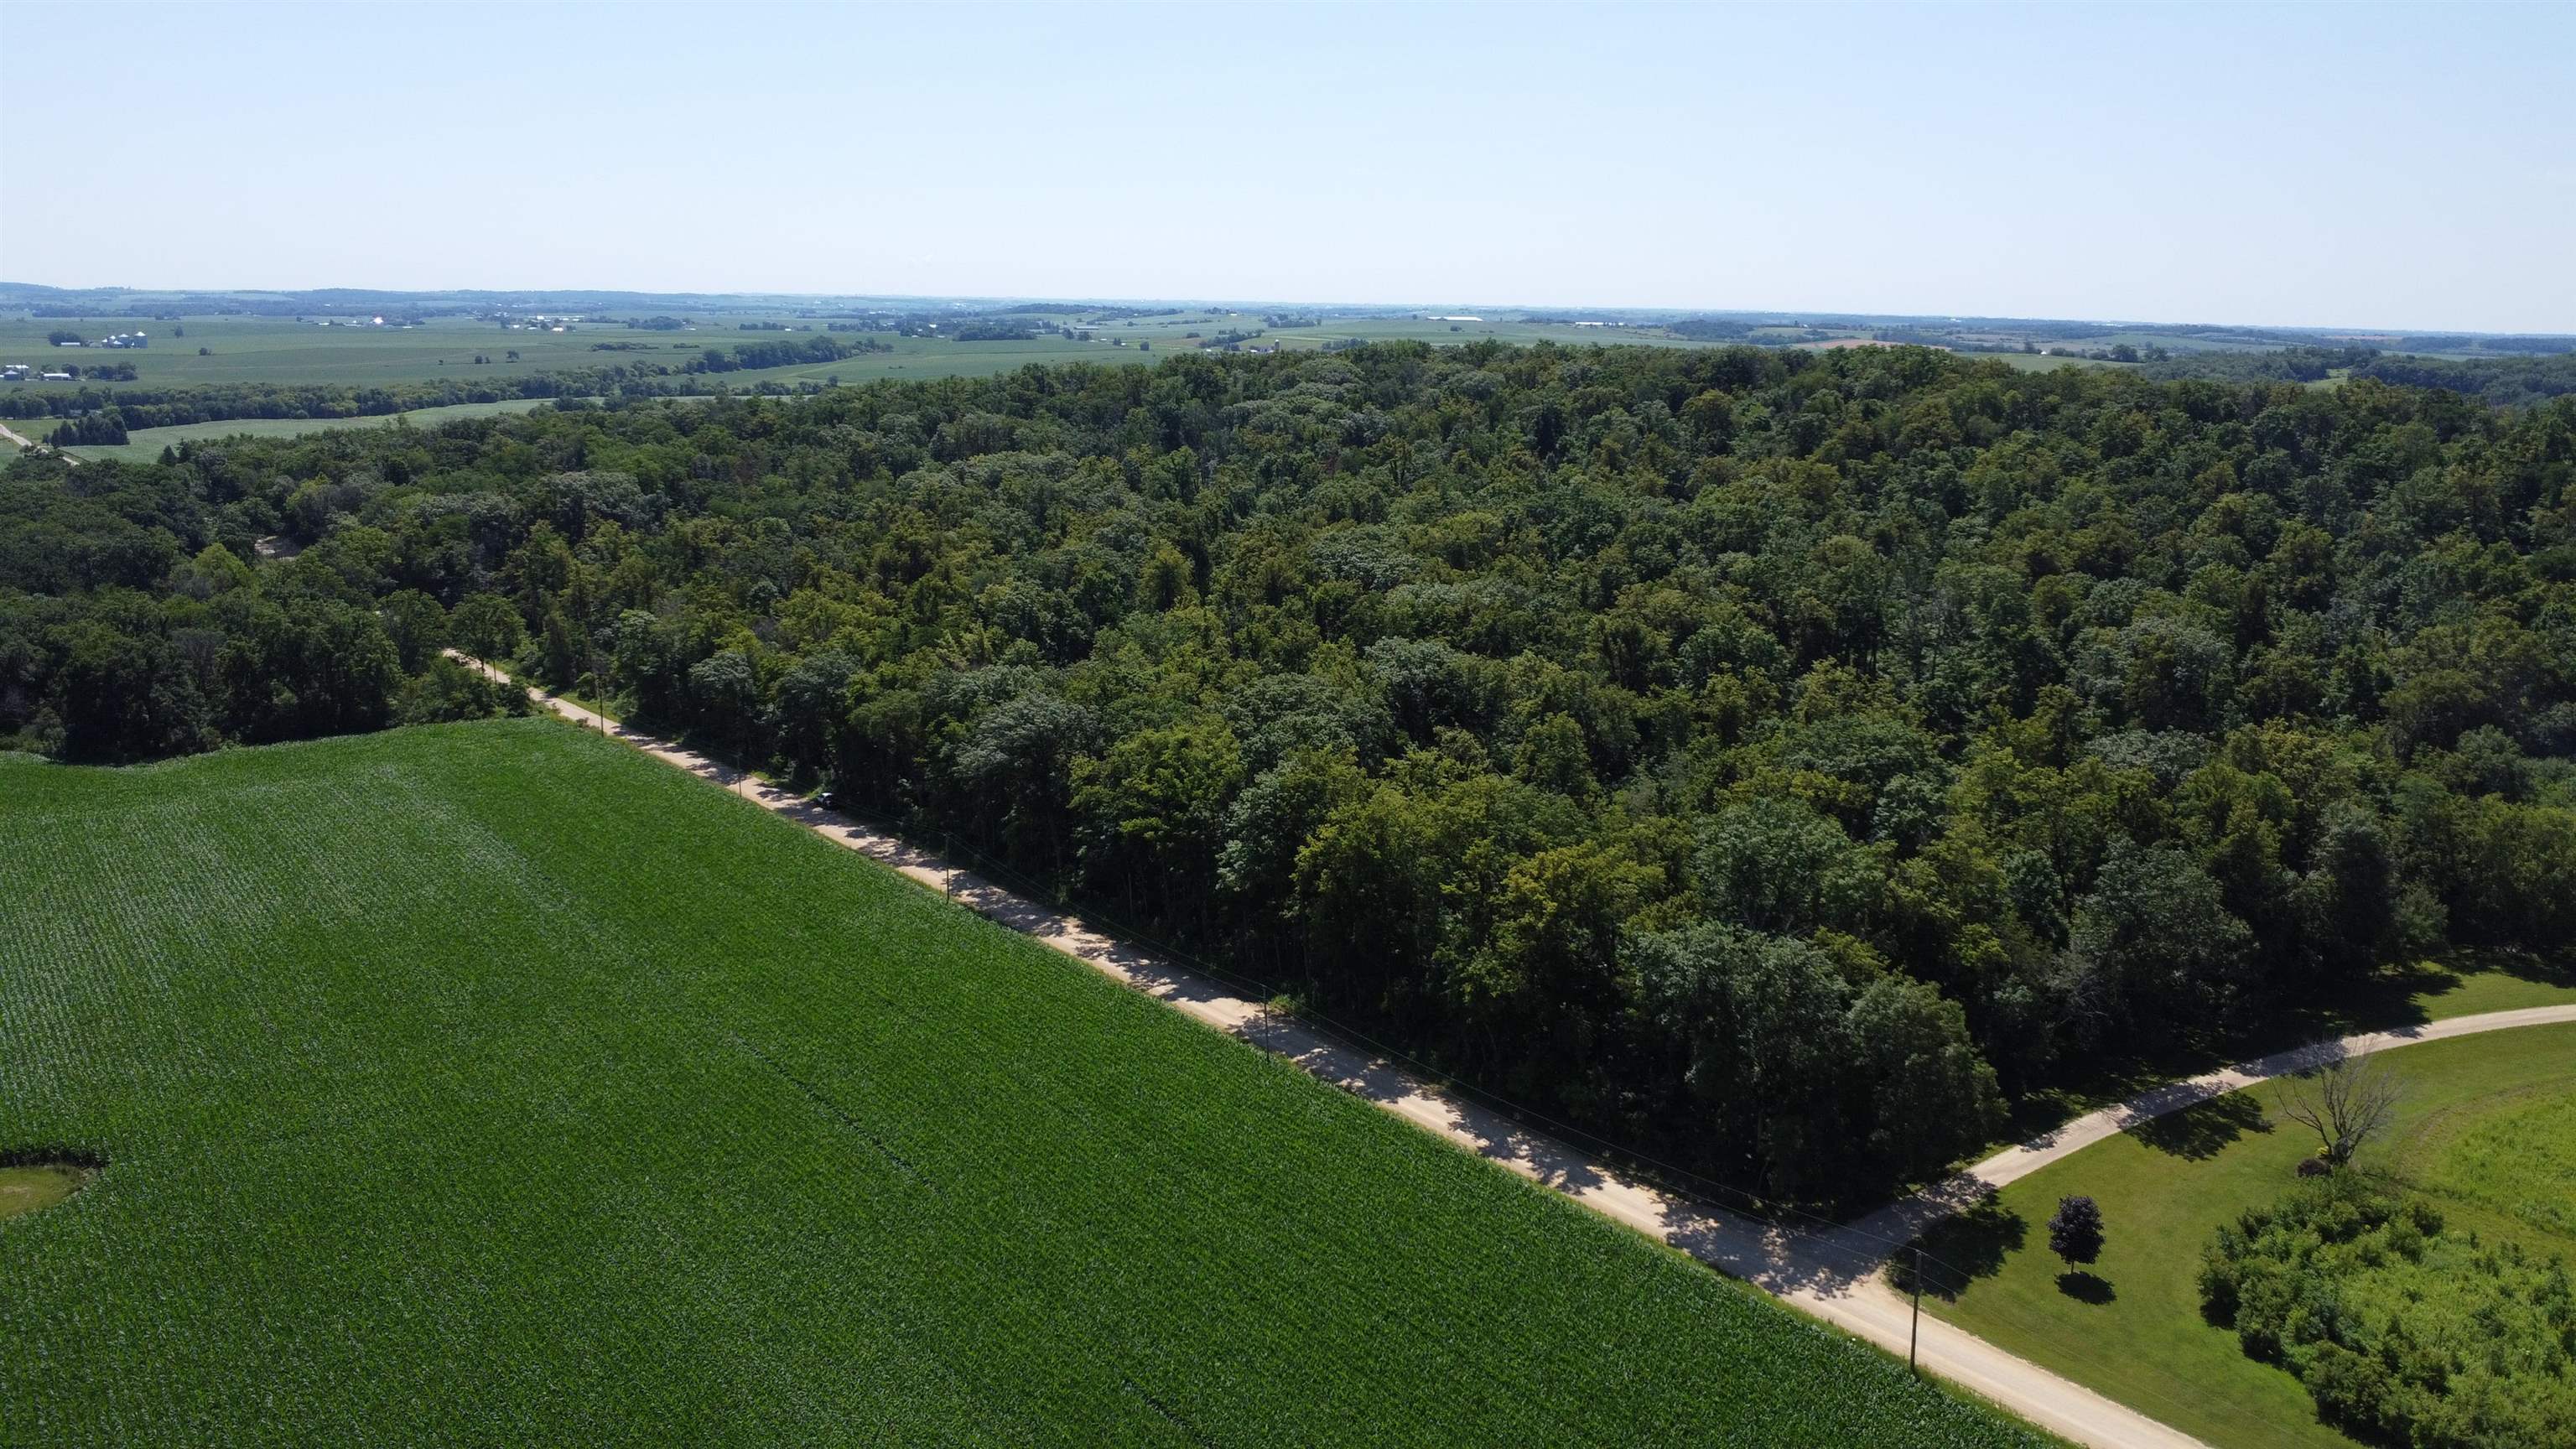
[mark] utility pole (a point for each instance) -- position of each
(1914, 1335)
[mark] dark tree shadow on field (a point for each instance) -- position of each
(1970, 1244)
(2202, 1128)
(2381, 1000)
(2086, 1288)
(2395, 997)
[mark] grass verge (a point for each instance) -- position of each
(2131, 1326)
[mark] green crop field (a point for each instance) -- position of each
(2487, 1130)
(492, 1083)
(1495, 329)
(142, 445)
(281, 350)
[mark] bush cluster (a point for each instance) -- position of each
(2402, 1331)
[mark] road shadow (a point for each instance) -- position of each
(2090, 1288)
(2197, 1130)
(1487, 1132)
(1779, 1260)
(1970, 1244)
(2038, 1115)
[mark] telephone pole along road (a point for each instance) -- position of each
(1832, 1273)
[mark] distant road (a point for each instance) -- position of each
(23, 441)
(1831, 1272)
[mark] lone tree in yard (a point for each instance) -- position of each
(2347, 1100)
(2075, 1233)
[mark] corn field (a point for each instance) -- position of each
(492, 1084)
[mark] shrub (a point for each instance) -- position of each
(2398, 1330)
(2352, 1391)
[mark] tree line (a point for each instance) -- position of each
(785, 352)
(2509, 382)
(1777, 762)
(106, 427)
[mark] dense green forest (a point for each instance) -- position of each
(1772, 761)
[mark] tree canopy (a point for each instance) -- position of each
(1775, 761)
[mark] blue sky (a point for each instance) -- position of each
(2398, 166)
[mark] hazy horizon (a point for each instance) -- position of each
(2382, 168)
(1413, 304)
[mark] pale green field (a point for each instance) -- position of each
(25, 1188)
(924, 357)
(1406, 329)
(2032, 362)
(2170, 342)
(144, 445)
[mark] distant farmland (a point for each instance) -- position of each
(493, 1083)
(145, 444)
(279, 351)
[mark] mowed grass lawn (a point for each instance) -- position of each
(493, 1083)
(2487, 1130)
